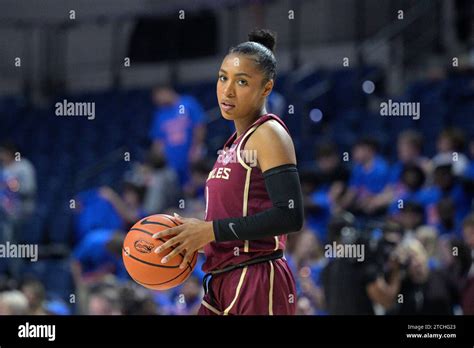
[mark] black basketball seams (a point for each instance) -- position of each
(148, 263)
(171, 220)
(144, 231)
(184, 270)
(145, 221)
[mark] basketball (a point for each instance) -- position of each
(144, 265)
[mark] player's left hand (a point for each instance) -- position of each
(189, 237)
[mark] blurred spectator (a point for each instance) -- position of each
(17, 182)
(129, 205)
(188, 296)
(428, 237)
(105, 209)
(309, 260)
(450, 145)
(424, 291)
(7, 283)
(410, 218)
(304, 306)
(13, 303)
(446, 212)
(328, 185)
(455, 262)
(199, 173)
(104, 301)
(94, 212)
(468, 291)
(409, 150)
(136, 300)
(447, 185)
(412, 189)
(178, 129)
(194, 202)
(352, 287)
(369, 176)
(98, 255)
(34, 291)
(161, 183)
(17, 198)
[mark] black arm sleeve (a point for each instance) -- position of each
(286, 215)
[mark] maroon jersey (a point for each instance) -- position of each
(235, 188)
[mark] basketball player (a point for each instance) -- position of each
(253, 196)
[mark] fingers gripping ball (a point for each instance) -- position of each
(144, 265)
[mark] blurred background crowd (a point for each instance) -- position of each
(400, 186)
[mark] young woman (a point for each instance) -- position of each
(253, 195)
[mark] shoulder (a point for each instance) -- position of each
(381, 164)
(26, 165)
(273, 145)
(270, 132)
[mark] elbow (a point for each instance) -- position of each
(297, 221)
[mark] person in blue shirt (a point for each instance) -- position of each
(178, 129)
(129, 205)
(187, 297)
(308, 261)
(368, 178)
(105, 209)
(328, 184)
(447, 185)
(450, 145)
(412, 189)
(94, 212)
(448, 223)
(99, 254)
(409, 153)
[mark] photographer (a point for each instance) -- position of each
(423, 291)
(352, 286)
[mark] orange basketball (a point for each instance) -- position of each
(144, 265)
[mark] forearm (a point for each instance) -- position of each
(384, 198)
(348, 199)
(197, 147)
(199, 135)
(285, 216)
(385, 293)
(394, 284)
(123, 210)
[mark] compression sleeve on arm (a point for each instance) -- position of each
(286, 215)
